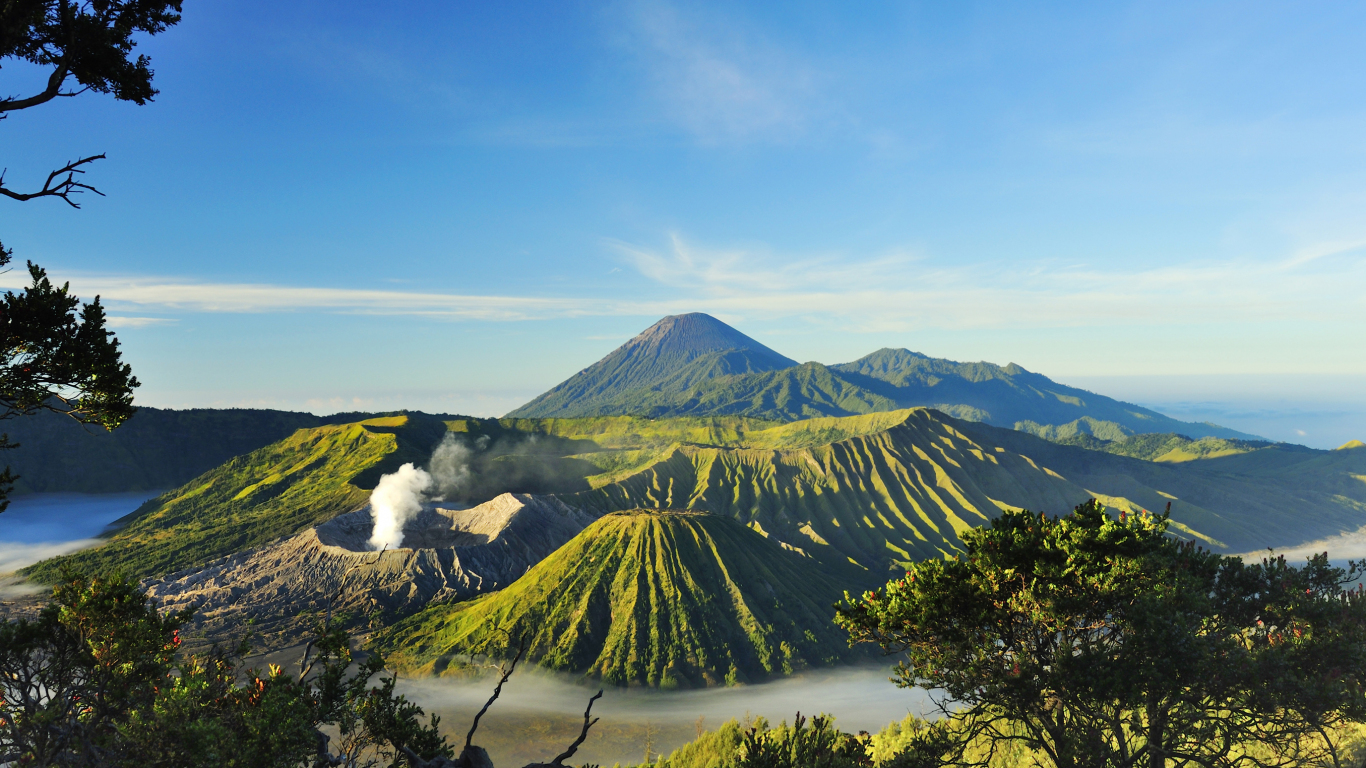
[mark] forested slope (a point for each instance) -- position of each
(156, 449)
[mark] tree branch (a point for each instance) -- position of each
(498, 690)
(52, 91)
(568, 753)
(63, 187)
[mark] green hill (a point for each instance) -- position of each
(658, 598)
(879, 490)
(156, 449)
(1276, 495)
(307, 478)
(319, 472)
(886, 489)
(1165, 447)
(681, 366)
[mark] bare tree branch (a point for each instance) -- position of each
(498, 690)
(63, 187)
(568, 753)
(52, 91)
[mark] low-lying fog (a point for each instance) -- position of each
(539, 713)
(43, 525)
(1340, 549)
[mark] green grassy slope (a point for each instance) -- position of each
(156, 449)
(1165, 447)
(652, 598)
(311, 476)
(1278, 495)
(888, 489)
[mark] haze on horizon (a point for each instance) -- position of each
(457, 207)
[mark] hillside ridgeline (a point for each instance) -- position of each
(879, 490)
(309, 477)
(657, 598)
(682, 366)
(155, 450)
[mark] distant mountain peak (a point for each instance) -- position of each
(691, 335)
(674, 353)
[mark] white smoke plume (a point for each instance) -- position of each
(395, 501)
(450, 466)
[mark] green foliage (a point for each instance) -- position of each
(911, 741)
(799, 746)
(96, 681)
(664, 599)
(804, 744)
(56, 355)
(1164, 447)
(712, 749)
(91, 43)
(1101, 641)
(308, 478)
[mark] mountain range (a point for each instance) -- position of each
(878, 490)
(700, 548)
(696, 365)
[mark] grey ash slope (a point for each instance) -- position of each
(695, 365)
(672, 355)
(447, 554)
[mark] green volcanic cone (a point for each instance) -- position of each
(657, 598)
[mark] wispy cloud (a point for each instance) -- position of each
(904, 291)
(121, 321)
(898, 291)
(719, 80)
(193, 296)
(16, 555)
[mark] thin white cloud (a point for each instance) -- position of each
(904, 292)
(897, 292)
(717, 79)
(193, 296)
(121, 321)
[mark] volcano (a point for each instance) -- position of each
(659, 598)
(673, 354)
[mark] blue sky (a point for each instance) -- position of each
(456, 207)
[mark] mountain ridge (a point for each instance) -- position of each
(689, 375)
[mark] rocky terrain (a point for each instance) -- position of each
(277, 592)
